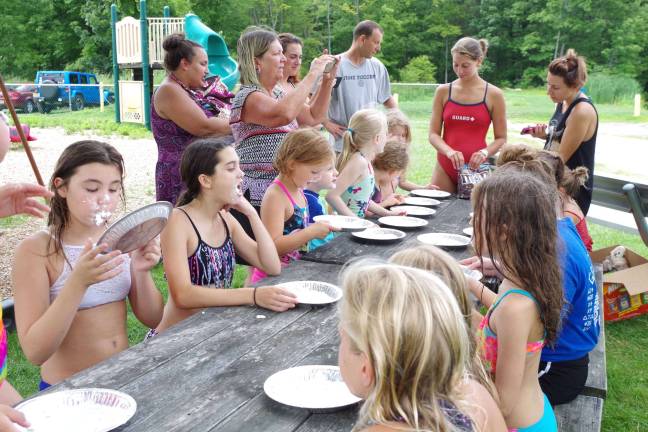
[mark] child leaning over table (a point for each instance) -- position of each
(388, 166)
(317, 204)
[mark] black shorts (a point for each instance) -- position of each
(245, 224)
(563, 381)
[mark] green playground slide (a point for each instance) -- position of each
(220, 62)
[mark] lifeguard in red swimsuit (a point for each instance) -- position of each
(461, 116)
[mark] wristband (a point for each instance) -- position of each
(254, 296)
(484, 152)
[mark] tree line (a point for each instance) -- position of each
(524, 35)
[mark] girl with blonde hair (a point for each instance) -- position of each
(302, 158)
(405, 350)
(399, 129)
(363, 140)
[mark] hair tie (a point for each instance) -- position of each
(350, 130)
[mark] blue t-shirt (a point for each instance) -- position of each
(580, 324)
(316, 207)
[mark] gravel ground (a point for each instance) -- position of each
(139, 156)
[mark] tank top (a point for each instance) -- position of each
(464, 129)
(488, 338)
(583, 232)
(209, 265)
(108, 291)
(298, 220)
(256, 145)
(584, 154)
(357, 196)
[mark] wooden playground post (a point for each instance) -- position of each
(21, 133)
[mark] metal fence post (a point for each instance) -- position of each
(101, 98)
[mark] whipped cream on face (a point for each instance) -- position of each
(101, 213)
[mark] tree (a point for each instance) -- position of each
(419, 70)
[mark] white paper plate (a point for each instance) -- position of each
(311, 387)
(416, 211)
(313, 292)
(345, 223)
(468, 231)
(420, 201)
(137, 228)
(430, 193)
(444, 240)
(379, 235)
(474, 274)
(404, 222)
(80, 410)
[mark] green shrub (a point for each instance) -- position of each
(610, 88)
(419, 70)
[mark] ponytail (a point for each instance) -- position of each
(571, 68)
(363, 128)
(574, 179)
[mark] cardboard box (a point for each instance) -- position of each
(625, 292)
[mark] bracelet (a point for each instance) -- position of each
(254, 296)
(484, 152)
(481, 295)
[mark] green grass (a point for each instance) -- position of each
(86, 120)
(13, 221)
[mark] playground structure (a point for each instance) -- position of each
(137, 45)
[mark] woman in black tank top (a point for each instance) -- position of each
(574, 125)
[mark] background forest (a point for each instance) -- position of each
(524, 34)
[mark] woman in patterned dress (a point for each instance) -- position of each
(185, 106)
(262, 114)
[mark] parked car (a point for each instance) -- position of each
(63, 88)
(22, 98)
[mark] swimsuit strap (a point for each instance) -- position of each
(515, 291)
(450, 92)
(285, 190)
(485, 91)
(572, 213)
(194, 226)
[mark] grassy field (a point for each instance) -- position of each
(627, 341)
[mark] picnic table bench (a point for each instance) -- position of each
(207, 372)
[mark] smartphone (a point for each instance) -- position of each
(527, 130)
(330, 65)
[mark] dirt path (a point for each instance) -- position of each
(139, 155)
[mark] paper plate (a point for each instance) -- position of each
(419, 201)
(473, 274)
(379, 235)
(402, 222)
(80, 410)
(313, 292)
(310, 387)
(430, 193)
(416, 211)
(444, 240)
(468, 231)
(137, 228)
(345, 223)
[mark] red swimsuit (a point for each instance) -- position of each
(464, 129)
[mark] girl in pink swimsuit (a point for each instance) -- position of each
(461, 116)
(301, 159)
(520, 236)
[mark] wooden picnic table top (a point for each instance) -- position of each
(452, 217)
(207, 372)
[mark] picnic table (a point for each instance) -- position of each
(207, 372)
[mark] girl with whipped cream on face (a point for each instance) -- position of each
(70, 296)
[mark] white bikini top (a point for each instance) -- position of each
(108, 291)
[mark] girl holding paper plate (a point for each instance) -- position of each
(70, 296)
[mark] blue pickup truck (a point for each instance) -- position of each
(63, 88)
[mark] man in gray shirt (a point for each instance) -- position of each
(362, 81)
